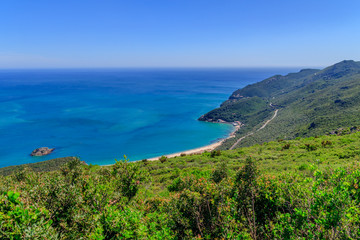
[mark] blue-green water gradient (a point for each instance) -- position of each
(101, 115)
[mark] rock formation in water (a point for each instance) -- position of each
(42, 151)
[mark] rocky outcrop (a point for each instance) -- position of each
(42, 151)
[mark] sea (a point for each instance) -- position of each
(100, 115)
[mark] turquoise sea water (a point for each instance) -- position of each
(101, 115)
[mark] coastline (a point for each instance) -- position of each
(199, 150)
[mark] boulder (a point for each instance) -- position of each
(42, 151)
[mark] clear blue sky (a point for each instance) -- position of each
(178, 33)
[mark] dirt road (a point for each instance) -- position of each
(251, 133)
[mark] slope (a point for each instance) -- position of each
(310, 102)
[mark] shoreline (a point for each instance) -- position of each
(199, 150)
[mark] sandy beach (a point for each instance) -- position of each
(199, 150)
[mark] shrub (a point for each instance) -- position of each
(20, 175)
(310, 147)
(326, 143)
(220, 172)
(20, 222)
(163, 159)
(245, 193)
(199, 210)
(286, 146)
(180, 184)
(215, 153)
(127, 177)
(303, 167)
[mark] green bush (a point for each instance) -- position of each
(310, 147)
(215, 153)
(220, 172)
(286, 146)
(326, 143)
(20, 222)
(163, 159)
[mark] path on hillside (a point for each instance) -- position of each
(266, 123)
(251, 133)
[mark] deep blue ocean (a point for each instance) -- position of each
(101, 115)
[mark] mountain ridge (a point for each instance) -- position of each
(310, 102)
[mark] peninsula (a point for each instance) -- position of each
(310, 102)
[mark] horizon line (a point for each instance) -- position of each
(156, 67)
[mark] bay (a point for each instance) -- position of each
(101, 115)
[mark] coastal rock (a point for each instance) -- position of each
(42, 151)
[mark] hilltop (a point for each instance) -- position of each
(310, 102)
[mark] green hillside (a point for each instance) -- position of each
(289, 189)
(44, 166)
(310, 103)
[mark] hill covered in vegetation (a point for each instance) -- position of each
(311, 102)
(287, 189)
(44, 166)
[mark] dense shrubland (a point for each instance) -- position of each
(304, 188)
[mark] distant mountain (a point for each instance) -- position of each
(310, 102)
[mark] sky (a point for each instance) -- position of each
(178, 33)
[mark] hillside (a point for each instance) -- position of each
(288, 189)
(311, 102)
(44, 166)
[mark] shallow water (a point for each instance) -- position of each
(101, 115)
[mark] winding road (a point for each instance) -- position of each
(266, 123)
(251, 133)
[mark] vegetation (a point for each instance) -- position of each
(163, 159)
(244, 110)
(278, 190)
(311, 102)
(49, 165)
